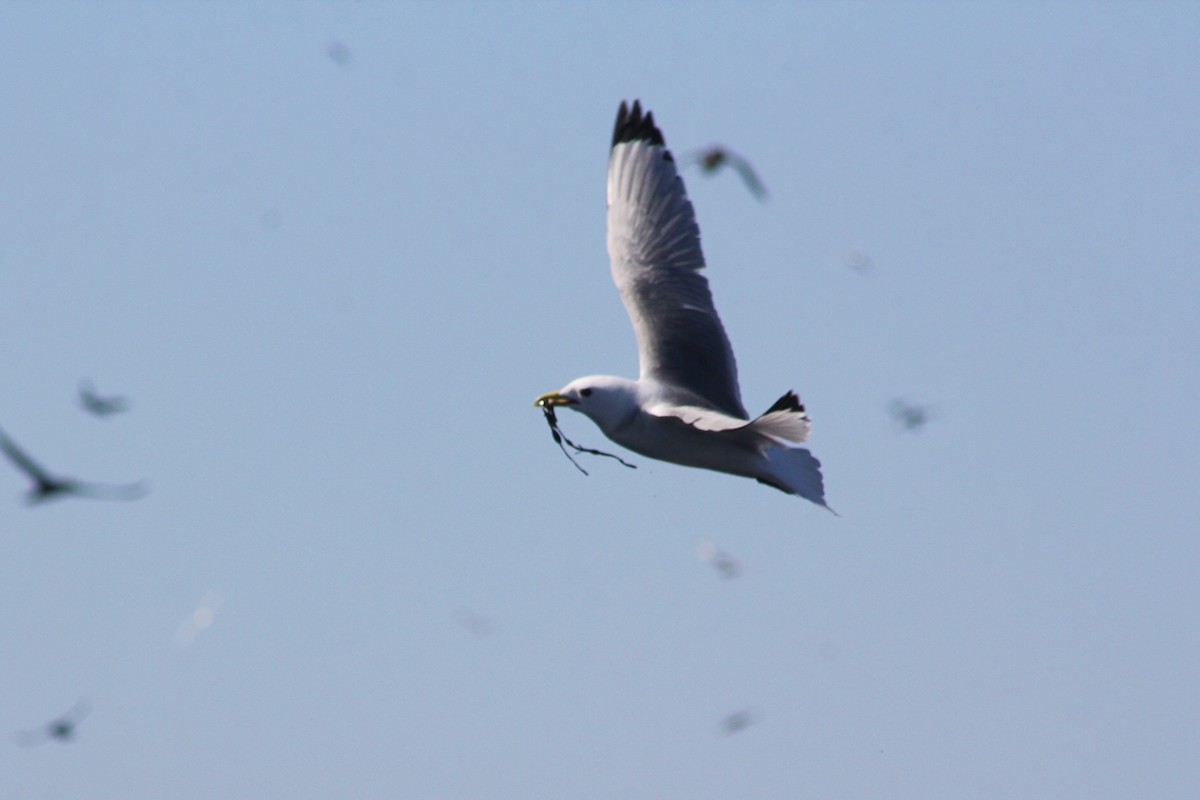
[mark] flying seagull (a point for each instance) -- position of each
(98, 405)
(685, 407)
(712, 159)
(48, 487)
(62, 729)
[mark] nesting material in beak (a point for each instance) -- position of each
(547, 402)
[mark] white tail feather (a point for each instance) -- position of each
(790, 426)
(786, 420)
(796, 471)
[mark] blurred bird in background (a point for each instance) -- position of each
(48, 487)
(99, 405)
(62, 729)
(726, 565)
(911, 416)
(713, 159)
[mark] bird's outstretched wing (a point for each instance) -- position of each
(712, 159)
(105, 491)
(32, 738)
(24, 462)
(654, 244)
(77, 713)
(749, 176)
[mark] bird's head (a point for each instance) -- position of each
(607, 400)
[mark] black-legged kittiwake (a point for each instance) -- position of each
(685, 407)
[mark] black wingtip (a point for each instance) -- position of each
(634, 126)
(789, 402)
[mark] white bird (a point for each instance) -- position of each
(200, 620)
(685, 407)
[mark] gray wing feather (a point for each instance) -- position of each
(654, 244)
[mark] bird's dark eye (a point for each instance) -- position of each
(585, 392)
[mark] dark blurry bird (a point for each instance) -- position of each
(48, 487)
(338, 52)
(913, 417)
(98, 405)
(858, 260)
(473, 622)
(722, 562)
(737, 722)
(62, 729)
(712, 159)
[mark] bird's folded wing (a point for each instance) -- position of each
(654, 244)
(704, 419)
(783, 422)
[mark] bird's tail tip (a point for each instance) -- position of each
(795, 470)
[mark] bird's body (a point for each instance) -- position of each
(686, 407)
(669, 437)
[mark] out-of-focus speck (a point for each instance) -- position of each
(338, 52)
(101, 406)
(199, 620)
(475, 624)
(726, 565)
(713, 159)
(48, 487)
(270, 219)
(911, 416)
(738, 721)
(858, 260)
(62, 729)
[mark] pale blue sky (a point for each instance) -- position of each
(333, 290)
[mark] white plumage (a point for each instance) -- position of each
(685, 407)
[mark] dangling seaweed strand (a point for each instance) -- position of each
(563, 442)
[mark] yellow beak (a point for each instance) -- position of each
(553, 399)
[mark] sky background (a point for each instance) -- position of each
(332, 253)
